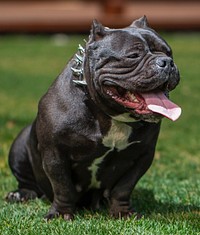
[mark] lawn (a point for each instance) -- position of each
(168, 195)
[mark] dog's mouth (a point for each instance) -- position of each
(146, 103)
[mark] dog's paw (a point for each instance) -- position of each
(125, 214)
(53, 214)
(21, 195)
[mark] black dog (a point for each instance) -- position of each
(97, 126)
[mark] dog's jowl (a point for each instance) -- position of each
(97, 126)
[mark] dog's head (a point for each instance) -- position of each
(131, 70)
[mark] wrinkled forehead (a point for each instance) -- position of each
(154, 40)
(124, 38)
(131, 37)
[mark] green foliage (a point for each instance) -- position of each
(167, 196)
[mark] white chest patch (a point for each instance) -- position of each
(124, 117)
(94, 168)
(117, 138)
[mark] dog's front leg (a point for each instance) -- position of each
(57, 168)
(120, 206)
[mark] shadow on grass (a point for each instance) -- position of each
(144, 202)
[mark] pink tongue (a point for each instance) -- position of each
(159, 103)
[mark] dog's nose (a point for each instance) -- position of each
(164, 62)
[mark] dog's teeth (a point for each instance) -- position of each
(135, 100)
(109, 92)
(132, 97)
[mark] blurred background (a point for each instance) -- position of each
(37, 38)
(76, 16)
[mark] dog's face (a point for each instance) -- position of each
(131, 70)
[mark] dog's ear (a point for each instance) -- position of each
(140, 23)
(97, 31)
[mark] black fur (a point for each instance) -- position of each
(72, 130)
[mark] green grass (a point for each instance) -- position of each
(167, 196)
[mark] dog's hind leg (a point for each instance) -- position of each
(21, 168)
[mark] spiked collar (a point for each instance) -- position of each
(77, 70)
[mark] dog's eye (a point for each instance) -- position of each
(133, 55)
(169, 53)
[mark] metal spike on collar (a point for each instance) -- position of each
(79, 58)
(77, 72)
(79, 82)
(81, 49)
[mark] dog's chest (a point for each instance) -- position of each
(118, 135)
(116, 138)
